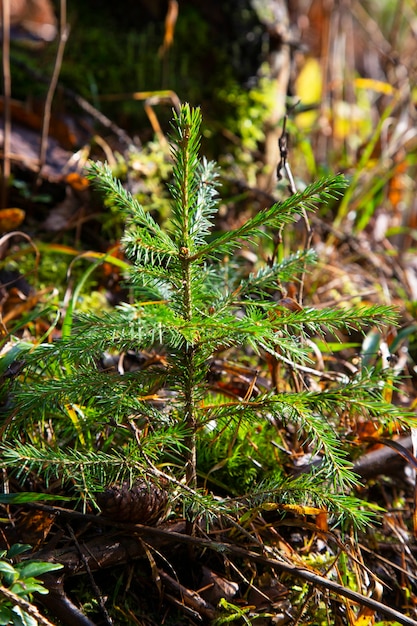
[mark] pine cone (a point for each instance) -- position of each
(140, 503)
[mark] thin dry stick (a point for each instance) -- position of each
(284, 165)
(93, 583)
(7, 94)
(64, 32)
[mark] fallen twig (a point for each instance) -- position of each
(383, 460)
(26, 606)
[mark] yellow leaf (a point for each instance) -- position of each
(74, 417)
(375, 85)
(308, 88)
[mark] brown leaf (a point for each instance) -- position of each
(214, 587)
(34, 526)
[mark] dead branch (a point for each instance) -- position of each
(384, 460)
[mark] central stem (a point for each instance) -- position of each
(189, 384)
(189, 374)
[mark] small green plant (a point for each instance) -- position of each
(18, 583)
(231, 613)
(166, 422)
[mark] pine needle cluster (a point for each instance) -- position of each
(218, 453)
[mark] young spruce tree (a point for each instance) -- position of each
(170, 423)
